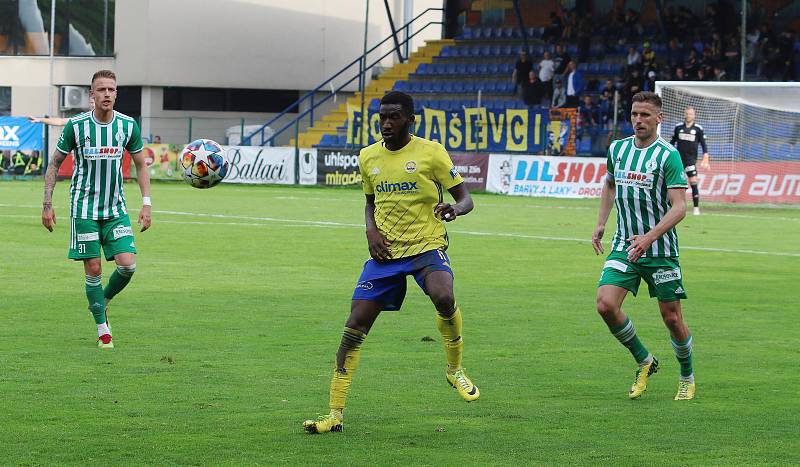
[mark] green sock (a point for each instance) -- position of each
(626, 335)
(119, 279)
(683, 352)
(94, 293)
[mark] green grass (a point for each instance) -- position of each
(225, 340)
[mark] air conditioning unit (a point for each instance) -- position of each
(73, 97)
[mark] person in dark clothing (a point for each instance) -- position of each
(521, 74)
(687, 136)
(561, 59)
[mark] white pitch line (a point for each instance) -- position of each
(307, 223)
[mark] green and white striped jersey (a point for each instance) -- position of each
(642, 178)
(96, 191)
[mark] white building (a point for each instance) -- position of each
(204, 65)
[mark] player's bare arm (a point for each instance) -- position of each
(50, 177)
(606, 203)
(640, 243)
(448, 212)
(55, 121)
(705, 163)
(143, 178)
(378, 244)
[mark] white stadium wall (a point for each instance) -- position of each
(257, 44)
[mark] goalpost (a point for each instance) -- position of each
(753, 136)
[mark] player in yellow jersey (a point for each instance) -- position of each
(403, 179)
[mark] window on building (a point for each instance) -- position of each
(229, 100)
(83, 28)
(5, 101)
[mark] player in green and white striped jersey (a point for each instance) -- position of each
(99, 216)
(647, 183)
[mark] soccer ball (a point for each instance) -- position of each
(203, 164)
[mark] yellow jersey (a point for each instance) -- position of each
(407, 185)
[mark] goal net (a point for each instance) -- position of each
(753, 136)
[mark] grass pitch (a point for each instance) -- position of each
(226, 336)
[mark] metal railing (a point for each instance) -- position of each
(363, 68)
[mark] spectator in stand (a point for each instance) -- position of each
(634, 85)
(648, 57)
(650, 82)
(574, 84)
(675, 54)
(693, 64)
(731, 56)
(786, 60)
(561, 59)
(559, 93)
(554, 30)
(720, 74)
(680, 75)
(534, 91)
(570, 31)
(606, 104)
(589, 113)
(701, 74)
(716, 46)
(632, 24)
(634, 59)
(547, 68)
(521, 74)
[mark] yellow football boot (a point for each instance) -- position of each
(685, 391)
(640, 382)
(463, 384)
(324, 424)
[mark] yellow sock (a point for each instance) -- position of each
(346, 363)
(450, 328)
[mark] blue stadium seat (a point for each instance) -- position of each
(482, 68)
(468, 86)
(572, 49)
(584, 145)
(447, 51)
(471, 68)
(492, 68)
(594, 68)
(466, 33)
(497, 33)
(583, 66)
(506, 50)
(450, 68)
(401, 86)
(341, 140)
(374, 104)
(488, 33)
(328, 140)
(422, 69)
(456, 87)
(484, 51)
(508, 33)
(461, 68)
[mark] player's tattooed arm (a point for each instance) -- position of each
(48, 215)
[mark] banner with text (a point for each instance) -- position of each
(19, 133)
(473, 169)
(750, 182)
(468, 129)
(561, 177)
(256, 164)
(338, 167)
